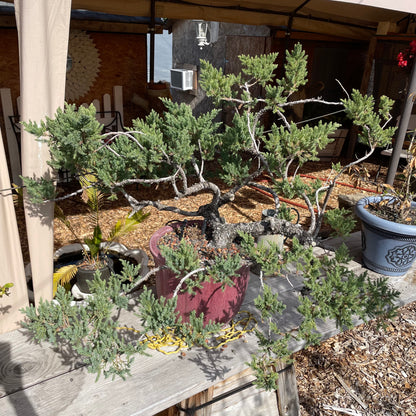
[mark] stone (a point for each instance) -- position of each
(348, 202)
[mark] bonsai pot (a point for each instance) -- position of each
(388, 247)
(218, 305)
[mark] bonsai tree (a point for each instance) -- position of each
(176, 149)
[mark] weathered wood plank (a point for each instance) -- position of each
(23, 363)
(54, 386)
(249, 401)
(107, 102)
(118, 101)
(193, 403)
(97, 105)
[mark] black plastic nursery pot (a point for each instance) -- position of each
(86, 274)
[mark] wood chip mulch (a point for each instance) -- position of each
(365, 371)
(368, 371)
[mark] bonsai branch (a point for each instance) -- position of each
(187, 276)
(145, 278)
(146, 181)
(136, 205)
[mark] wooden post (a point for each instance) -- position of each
(195, 401)
(287, 393)
(363, 89)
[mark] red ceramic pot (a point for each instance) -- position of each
(217, 305)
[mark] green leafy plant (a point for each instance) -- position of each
(341, 221)
(399, 207)
(5, 289)
(158, 316)
(176, 149)
(331, 291)
(189, 255)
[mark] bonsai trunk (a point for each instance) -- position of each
(224, 234)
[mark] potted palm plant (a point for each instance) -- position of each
(199, 155)
(94, 250)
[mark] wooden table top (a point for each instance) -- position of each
(36, 380)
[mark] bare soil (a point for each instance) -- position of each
(364, 371)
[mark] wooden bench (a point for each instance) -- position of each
(38, 380)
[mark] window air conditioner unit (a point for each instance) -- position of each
(182, 79)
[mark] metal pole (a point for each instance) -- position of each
(152, 42)
(404, 122)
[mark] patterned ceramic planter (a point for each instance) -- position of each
(389, 248)
(217, 305)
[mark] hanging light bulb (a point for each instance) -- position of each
(201, 33)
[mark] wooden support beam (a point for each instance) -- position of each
(112, 27)
(237, 393)
(363, 89)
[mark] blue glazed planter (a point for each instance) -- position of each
(389, 248)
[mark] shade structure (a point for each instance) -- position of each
(402, 129)
(408, 6)
(357, 19)
(350, 18)
(43, 31)
(12, 270)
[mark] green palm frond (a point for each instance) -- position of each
(92, 196)
(94, 243)
(126, 225)
(19, 191)
(63, 276)
(59, 214)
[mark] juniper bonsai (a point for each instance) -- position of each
(176, 148)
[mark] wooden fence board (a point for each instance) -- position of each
(287, 392)
(12, 144)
